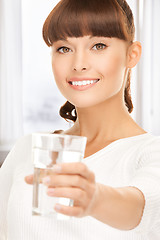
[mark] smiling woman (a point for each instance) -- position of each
(71, 19)
(115, 189)
(104, 66)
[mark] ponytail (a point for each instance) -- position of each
(68, 111)
(127, 93)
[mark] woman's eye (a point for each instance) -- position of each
(99, 46)
(63, 50)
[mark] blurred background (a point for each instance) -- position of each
(29, 98)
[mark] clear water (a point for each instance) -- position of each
(44, 161)
(42, 203)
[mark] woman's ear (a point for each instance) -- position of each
(134, 54)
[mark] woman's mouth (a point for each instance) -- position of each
(83, 84)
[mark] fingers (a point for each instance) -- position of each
(75, 194)
(69, 211)
(69, 180)
(74, 168)
(29, 179)
(58, 180)
(66, 175)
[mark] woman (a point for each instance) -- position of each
(115, 189)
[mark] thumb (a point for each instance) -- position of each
(29, 179)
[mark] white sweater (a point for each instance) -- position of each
(133, 161)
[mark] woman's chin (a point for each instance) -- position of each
(84, 104)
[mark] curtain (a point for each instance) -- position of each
(10, 73)
(148, 84)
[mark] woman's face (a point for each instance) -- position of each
(89, 70)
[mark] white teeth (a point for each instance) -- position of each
(80, 83)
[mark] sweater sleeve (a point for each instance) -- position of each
(147, 180)
(14, 158)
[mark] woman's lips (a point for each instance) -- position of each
(82, 84)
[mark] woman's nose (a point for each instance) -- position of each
(80, 63)
(79, 69)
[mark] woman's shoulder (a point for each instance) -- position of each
(19, 152)
(151, 140)
(145, 143)
(22, 142)
(148, 150)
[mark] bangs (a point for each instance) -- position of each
(74, 18)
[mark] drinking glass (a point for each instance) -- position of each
(48, 150)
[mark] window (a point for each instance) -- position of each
(41, 98)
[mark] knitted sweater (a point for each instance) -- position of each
(133, 161)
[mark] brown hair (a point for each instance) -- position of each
(77, 18)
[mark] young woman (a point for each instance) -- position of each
(116, 189)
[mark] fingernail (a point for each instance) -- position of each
(57, 168)
(46, 180)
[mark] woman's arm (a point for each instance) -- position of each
(121, 208)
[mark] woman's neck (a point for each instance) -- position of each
(105, 121)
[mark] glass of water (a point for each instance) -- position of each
(48, 150)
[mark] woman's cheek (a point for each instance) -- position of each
(115, 67)
(57, 72)
(112, 70)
